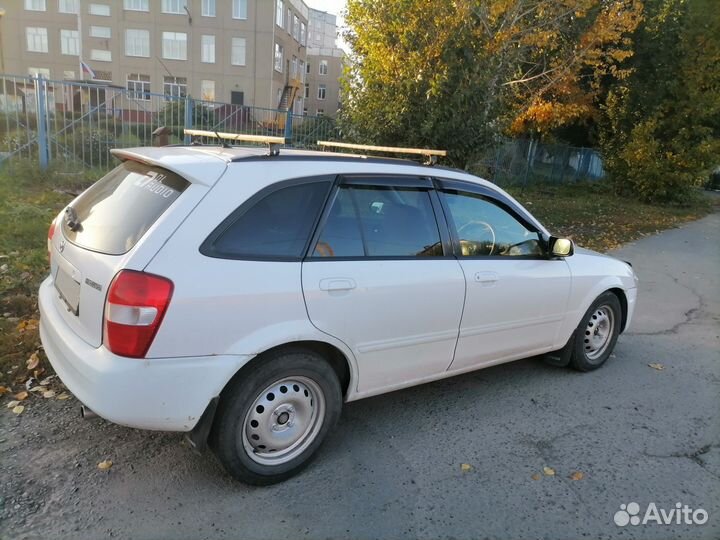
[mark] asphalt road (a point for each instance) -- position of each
(393, 468)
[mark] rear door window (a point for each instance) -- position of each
(380, 221)
(115, 212)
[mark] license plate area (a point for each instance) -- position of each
(68, 289)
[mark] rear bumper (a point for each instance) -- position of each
(168, 394)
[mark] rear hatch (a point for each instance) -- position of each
(120, 222)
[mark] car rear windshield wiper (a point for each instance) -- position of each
(71, 219)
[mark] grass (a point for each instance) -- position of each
(30, 199)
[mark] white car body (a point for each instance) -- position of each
(396, 322)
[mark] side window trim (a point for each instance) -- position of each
(464, 188)
(385, 180)
(207, 248)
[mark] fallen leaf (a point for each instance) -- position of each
(18, 409)
(21, 396)
(47, 380)
(64, 395)
(3, 390)
(577, 475)
(659, 367)
(49, 394)
(105, 465)
(33, 361)
(466, 467)
(38, 389)
(547, 471)
(13, 403)
(536, 476)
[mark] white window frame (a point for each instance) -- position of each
(173, 7)
(322, 92)
(36, 39)
(238, 44)
(38, 72)
(279, 12)
(69, 6)
(296, 28)
(203, 86)
(307, 91)
(208, 8)
(104, 32)
(69, 42)
(174, 48)
(323, 67)
(303, 34)
(138, 88)
(99, 10)
(136, 5)
(35, 5)
(320, 112)
(100, 55)
(288, 21)
(137, 42)
(239, 9)
(174, 84)
(207, 48)
(279, 58)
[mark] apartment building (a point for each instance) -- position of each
(324, 66)
(245, 52)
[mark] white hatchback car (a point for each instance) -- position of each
(242, 297)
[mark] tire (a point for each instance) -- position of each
(597, 333)
(273, 417)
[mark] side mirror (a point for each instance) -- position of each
(560, 247)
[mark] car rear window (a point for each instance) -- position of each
(115, 212)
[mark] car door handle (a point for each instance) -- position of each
(337, 284)
(486, 279)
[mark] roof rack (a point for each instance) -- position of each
(431, 155)
(273, 143)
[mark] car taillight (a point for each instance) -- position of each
(135, 307)
(51, 233)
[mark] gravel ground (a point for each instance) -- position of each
(394, 467)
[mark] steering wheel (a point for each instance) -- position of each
(485, 225)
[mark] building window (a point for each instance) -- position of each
(208, 8)
(307, 68)
(138, 86)
(288, 21)
(69, 6)
(39, 72)
(239, 9)
(68, 75)
(279, 10)
(102, 75)
(70, 42)
(279, 54)
(174, 45)
(294, 67)
(175, 86)
(176, 7)
(307, 91)
(321, 112)
(303, 33)
(100, 32)
(237, 56)
(137, 43)
(323, 67)
(35, 5)
(101, 10)
(136, 5)
(207, 90)
(301, 70)
(321, 91)
(37, 39)
(296, 28)
(100, 55)
(207, 49)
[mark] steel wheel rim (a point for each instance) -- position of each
(283, 420)
(598, 332)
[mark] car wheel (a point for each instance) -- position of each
(273, 417)
(597, 333)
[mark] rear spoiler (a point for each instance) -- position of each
(196, 167)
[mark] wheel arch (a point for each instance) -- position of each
(622, 297)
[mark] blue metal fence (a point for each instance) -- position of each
(75, 124)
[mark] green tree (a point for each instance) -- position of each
(660, 130)
(456, 74)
